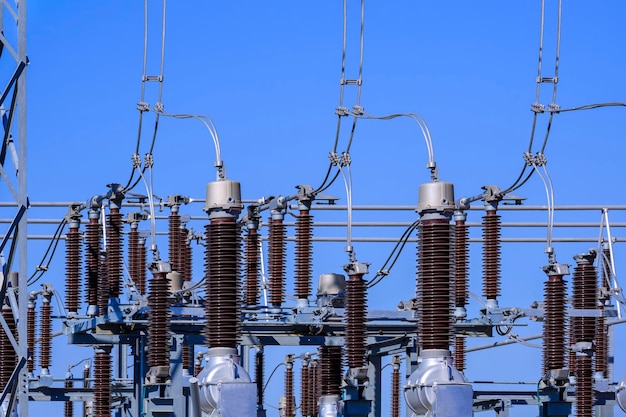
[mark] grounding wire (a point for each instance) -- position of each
(54, 242)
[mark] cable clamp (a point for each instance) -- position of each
(554, 108)
(541, 159)
(136, 159)
(358, 110)
(334, 158)
(537, 108)
(149, 160)
(345, 159)
(341, 111)
(352, 82)
(158, 107)
(141, 106)
(529, 158)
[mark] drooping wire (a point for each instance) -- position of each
(347, 180)
(142, 106)
(43, 264)
(547, 183)
(393, 256)
(270, 377)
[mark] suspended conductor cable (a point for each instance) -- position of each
(210, 125)
(151, 205)
(43, 264)
(271, 375)
(395, 254)
(550, 198)
(347, 180)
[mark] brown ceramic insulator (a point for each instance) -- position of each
(252, 267)
(158, 325)
(461, 249)
(8, 357)
(584, 386)
(69, 405)
(197, 369)
(259, 376)
(459, 353)
(601, 345)
(133, 256)
(304, 254)
(330, 362)
(571, 356)
(276, 261)
(30, 337)
(584, 297)
(289, 403)
(187, 358)
(222, 266)
(395, 393)
(104, 285)
(356, 305)
(435, 284)
(554, 324)
(186, 255)
(45, 327)
(141, 267)
(304, 389)
(316, 388)
(491, 255)
(92, 255)
(72, 270)
(102, 385)
(114, 251)
(174, 242)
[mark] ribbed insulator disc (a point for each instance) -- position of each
(459, 353)
(330, 362)
(259, 375)
(276, 261)
(304, 389)
(46, 335)
(289, 405)
(114, 251)
(252, 267)
(30, 338)
(72, 270)
(584, 386)
(601, 352)
(554, 324)
(223, 272)
(584, 297)
(158, 326)
(356, 305)
(435, 284)
(461, 248)
(103, 283)
(303, 254)
(491, 255)
(8, 357)
(174, 242)
(68, 410)
(92, 256)
(187, 255)
(395, 393)
(102, 385)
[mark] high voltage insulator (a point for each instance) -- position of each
(186, 254)
(114, 251)
(72, 267)
(276, 260)
(174, 240)
(222, 265)
(92, 258)
(259, 377)
(289, 399)
(554, 324)
(104, 285)
(45, 336)
(303, 254)
(491, 255)
(8, 357)
(69, 405)
(133, 258)
(602, 345)
(356, 305)
(460, 282)
(252, 267)
(86, 372)
(315, 387)
(30, 334)
(330, 363)
(395, 387)
(102, 384)
(305, 381)
(158, 326)
(584, 297)
(434, 289)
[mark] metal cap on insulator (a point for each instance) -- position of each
(436, 197)
(223, 196)
(586, 258)
(331, 284)
(556, 269)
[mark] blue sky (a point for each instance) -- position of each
(268, 74)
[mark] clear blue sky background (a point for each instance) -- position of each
(268, 74)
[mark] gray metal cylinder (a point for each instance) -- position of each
(620, 394)
(329, 406)
(223, 194)
(435, 196)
